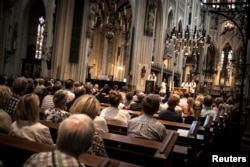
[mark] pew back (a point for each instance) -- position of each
(140, 151)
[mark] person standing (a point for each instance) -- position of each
(192, 86)
(185, 85)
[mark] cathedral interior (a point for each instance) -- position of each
(124, 41)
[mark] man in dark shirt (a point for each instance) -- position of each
(170, 114)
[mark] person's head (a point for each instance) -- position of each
(75, 135)
(69, 84)
(115, 87)
(30, 86)
(190, 101)
(41, 81)
(200, 98)
(208, 101)
(96, 86)
(5, 94)
(173, 100)
(79, 91)
(28, 108)
(86, 104)
(218, 101)
(151, 104)
(197, 108)
(124, 89)
(115, 98)
(60, 98)
(129, 96)
(140, 97)
(197, 105)
(19, 85)
(230, 100)
(56, 88)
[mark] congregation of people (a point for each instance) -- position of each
(79, 109)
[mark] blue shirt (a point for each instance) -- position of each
(170, 115)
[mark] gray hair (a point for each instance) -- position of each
(75, 135)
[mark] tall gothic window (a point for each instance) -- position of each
(226, 57)
(40, 38)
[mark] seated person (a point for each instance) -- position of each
(136, 106)
(207, 109)
(170, 114)
(128, 100)
(48, 99)
(89, 105)
(112, 112)
(5, 120)
(59, 112)
(27, 117)
(188, 111)
(74, 138)
(146, 126)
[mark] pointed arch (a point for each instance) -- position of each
(211, 56)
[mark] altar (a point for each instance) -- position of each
(179, 89)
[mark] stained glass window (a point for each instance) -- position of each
(40, 38)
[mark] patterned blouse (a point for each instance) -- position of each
(55, 115)
(97, 147)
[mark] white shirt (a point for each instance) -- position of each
(192, 86)
(113, 113)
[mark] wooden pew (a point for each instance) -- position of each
(15, 151)
(53, 128)
(117, 127)
(183, 147)
(140, 151)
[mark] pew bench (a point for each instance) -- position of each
(140, 151)
(15, 151)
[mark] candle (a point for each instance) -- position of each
(107, 19)
(124, 10)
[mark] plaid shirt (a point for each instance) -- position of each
(55, 158)
(147, 127)
(11, 106)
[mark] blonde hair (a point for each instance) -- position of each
(197, 109)
(28, 108)
(5, 94)
(190, 102)
(86, 104)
